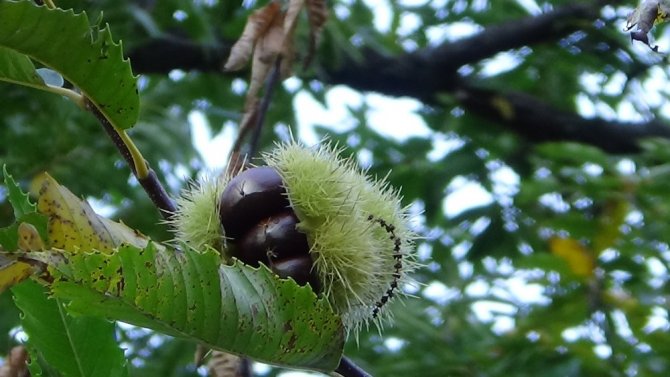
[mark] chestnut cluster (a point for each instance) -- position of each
(260, 225)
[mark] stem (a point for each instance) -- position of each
(347, 368)
(256, 114)
(273, 80)
(144, 174)
(69, 93)
(50, 4)
(139, 164)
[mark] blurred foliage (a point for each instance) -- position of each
(495, 299)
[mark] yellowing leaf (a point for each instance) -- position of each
(29, 238)
(12, 272)
(73, 225)
(578, 257)
(256, 26)
(609, 224)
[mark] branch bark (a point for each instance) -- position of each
(538, 121)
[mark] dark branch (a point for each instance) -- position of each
(161, 55)
(348, 369)
(538, 121)
(429, 71)
(263, 107)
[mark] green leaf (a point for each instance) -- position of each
(9, 318)
(233, 308)
(83, 54)
(18, 199)
(81, 346)
(17, 68)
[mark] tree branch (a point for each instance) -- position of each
(427, 72)
(162, 55)
(538, 121)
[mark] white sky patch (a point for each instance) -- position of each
(440, 293)
(214, 149)
(658, 321)
(443, 145)
(500, 63)
(452, 32)
(393, 117)
(488, 310)
(409, 22)
(394, 344)
(335, 115)
(505, 184)
(412, 3)
(464, 194)
(382, 14)
(530, 6)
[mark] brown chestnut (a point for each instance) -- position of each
(251, 196)
(299, 268)
(275, 237)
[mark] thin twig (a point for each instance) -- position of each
(149, 181)
(255, 115)
(272, 82)
(347, 368)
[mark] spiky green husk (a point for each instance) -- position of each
(353, 255)
(196, 221)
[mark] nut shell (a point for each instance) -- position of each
(299, 268)
(250, 197)
(273, 238)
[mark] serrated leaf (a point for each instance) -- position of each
(236, 308)
(82, 54)
(81, 346)
(64, 221)
(17, 198)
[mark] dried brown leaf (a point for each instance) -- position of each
(291, 17)
(267, 49)
(222, 364)
(317, 14)
(645, 16)
(257, 26)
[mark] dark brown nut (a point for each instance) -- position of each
(250, 197)
(273, 238)
(299, 268)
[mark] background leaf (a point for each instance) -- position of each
(76, 346)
